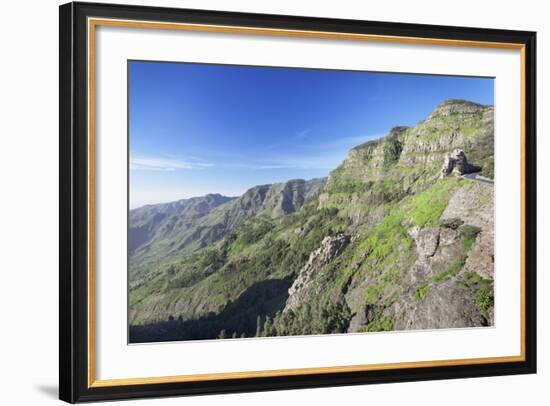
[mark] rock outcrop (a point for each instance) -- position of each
(433, 293)
(456, 106)
(329, 249)
(456, 163)
(476, 206)
(445, 305)
(426, 239)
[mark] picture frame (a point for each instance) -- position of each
(78, 381)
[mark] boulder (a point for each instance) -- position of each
(457, 164)
(426, 239)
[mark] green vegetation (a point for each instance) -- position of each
(451, 270)
(482, 290)
(421, 292)
(488, 168)
(392, 149)
(253, 230)
(381, 287)
(380, 323)
(452, 223)
(384, 236)
(324, 317)
(468, 234)
(426, 207)
(352, 186)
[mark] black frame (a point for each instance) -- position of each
(73, 289)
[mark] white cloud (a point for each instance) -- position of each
(292, 162)
(323, 155)
(303, 133)
(141, 163)
(203, 164)
(160, 193)
(342, 142)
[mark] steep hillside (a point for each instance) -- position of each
(162, 231)
(158, 221)
(397, 238)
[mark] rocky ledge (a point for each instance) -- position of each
(329, 249)
(455, 106)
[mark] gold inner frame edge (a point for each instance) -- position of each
(94, 22)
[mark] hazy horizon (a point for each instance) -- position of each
(221, 194)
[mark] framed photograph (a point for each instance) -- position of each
(257, 202)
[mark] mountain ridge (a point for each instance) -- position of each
(190, 224)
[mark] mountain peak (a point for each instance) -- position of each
(456, 106)
(215, 196)
(398, 130)
(280, 198)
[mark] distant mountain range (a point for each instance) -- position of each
(161, 230)
(389, 241)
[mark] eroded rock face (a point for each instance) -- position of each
(364, 316)
(444, 301)
(445, 306)
(329, 249)
(447, 236)
(435, 248)
(474, 205)
(481, 258)
(456, 163)
(426, 239)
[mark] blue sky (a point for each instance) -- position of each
(196, 128)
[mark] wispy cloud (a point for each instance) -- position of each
(291, 162)
(202, 165)
(302, 162)
(322, 155)
(341, 142)
(307, 155)
(303, 133)
(143, 163)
